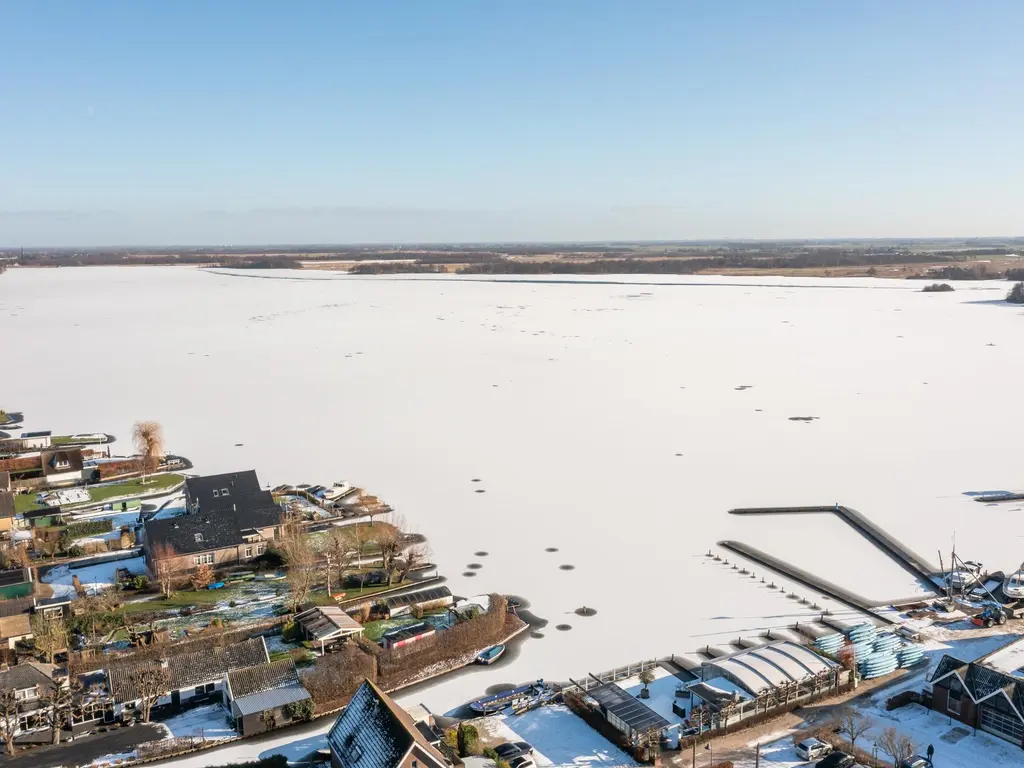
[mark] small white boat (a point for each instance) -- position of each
(1013, 586)
(491, 655)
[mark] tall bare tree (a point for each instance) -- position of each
(51, 636)
(851, 722)
(413, 558)
(57, 706)
(896, 745)
(389, 541)
(338, 548)
(162, 556)
(9, 716)
(150, 681)
(148, 437)
(300, 558)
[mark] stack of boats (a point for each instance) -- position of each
(877, 653)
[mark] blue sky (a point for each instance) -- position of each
(247, 122)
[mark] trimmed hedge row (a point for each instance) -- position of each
(89, 528)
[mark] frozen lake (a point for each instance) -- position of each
(608, 419)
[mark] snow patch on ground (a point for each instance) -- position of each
(92, 577)
(564, 739)
(110, 760)
(209, 722)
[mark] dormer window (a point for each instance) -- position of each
(199, 537)
(61, 464)
(223, 492)
(216, 493)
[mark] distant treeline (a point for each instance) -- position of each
(395, 268)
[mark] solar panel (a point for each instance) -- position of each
(631, 711)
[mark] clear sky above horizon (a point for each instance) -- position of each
(272, 122)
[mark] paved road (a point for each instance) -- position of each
(85, 749)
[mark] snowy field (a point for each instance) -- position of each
(616, 420)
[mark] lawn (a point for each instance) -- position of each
(136, 487)
(366, 530)
(26, 502)
(374, 630)
(179, 600)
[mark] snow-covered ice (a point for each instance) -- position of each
(602, 417)
(210, 722)
(92, 577)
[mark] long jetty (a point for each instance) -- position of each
(909, 560)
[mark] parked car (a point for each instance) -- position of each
(523, 761)
(836, 760)
(507, 751)
(915, 761)
(813, 749)
(524, 747)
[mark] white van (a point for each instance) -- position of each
(812, 749)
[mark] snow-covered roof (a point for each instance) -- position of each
(1008, 660)
(769, 666)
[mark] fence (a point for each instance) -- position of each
(151, 750)
(589, 681)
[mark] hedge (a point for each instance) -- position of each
(89, 528)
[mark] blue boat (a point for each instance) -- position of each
(491, 655)
(491, 704)
(216, 585)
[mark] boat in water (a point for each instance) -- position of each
(491, 655)
(488, 705)
(1013, 586)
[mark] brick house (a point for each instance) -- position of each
(987, 693)
(230, 521)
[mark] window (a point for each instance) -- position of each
(27, 693)
(216, 493)
(62, 464)
(955, 694)
(200, 690)
(199, 537)
(206, 559)
(224, 492)
(260, 548)
(248, 551)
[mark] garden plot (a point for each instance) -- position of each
(92, 577)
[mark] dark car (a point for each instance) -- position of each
(522, 761)
(524, 747)
(507, 751)
(836, 760)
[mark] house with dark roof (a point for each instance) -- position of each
(374, 732)
(987, 693)
(62, 467)
(209, 493)
(31, 682)
(194, 678)
(263, 697)
(226, 525)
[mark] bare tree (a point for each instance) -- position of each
(9, 716)
(57, 706)
(356, 535)
(851, 722)
(150, 681)
(897, 746)
(162, 556)
(413, 558)
(51, 635)
(389, 542)
(148, 437)
(338, 549)
(300, 558)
